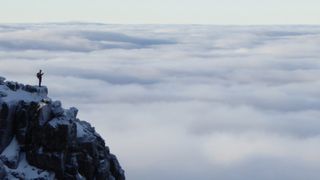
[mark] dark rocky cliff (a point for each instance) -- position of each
(41, 140)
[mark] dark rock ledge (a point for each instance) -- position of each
(41, 140)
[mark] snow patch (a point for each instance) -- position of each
(28, 172)
(81, 131)
(12, 150)
(19, 94)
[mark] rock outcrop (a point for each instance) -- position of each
(39, 139)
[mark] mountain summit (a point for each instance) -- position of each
(41, 140)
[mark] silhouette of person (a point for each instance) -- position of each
(39, 76)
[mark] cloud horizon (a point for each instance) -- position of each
(184, 101)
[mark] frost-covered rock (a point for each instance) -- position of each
(39, 139)
(57, 110)
(2, 79)
(3, 94)
(10, 156)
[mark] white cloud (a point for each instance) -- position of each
(184, 102)
(225, 149)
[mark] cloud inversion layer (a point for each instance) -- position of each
(184, 102)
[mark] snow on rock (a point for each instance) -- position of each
(39, 139)
(28, 172)
(2, 79)
(83, 129)
(10, 156)
(57, 109)
(13, 92)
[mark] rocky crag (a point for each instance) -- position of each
(40, 140)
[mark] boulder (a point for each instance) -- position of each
(12, 85)
(56, 109)
(31, 89)
(59, 134)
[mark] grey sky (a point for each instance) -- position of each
(163, 11)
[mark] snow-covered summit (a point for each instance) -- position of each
(13, 91)
(39, 139)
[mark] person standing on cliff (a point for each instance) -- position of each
(39, 76)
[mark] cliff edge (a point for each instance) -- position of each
(41, 140)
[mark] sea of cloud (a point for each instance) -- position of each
(184, 101)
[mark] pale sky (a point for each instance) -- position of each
(162, 11)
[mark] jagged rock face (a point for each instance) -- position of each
(40, 133)
(3, 172)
